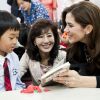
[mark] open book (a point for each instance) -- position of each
(46, 79)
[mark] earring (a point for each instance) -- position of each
(87, 33)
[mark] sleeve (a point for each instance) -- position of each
(19, 84)
(98, 81)
(41, 12)
(23, 64)
(97, 71)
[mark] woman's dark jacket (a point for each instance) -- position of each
(82, 62)
(15, 9)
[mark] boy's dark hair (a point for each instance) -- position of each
(8, 21)
(35, 31)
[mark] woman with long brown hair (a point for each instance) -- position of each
(82, 24)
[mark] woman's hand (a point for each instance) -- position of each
(71, 78)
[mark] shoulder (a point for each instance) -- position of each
(12, 56)
(13, 59)
(37, 4)
(25, 56)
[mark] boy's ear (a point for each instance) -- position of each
(88, 29)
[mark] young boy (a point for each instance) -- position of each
(9, 32)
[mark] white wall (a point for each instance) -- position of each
(96, 2)
(4, 5)
(62, 4)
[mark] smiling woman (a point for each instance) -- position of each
(42, 50)
(45, 41)
(81, 22)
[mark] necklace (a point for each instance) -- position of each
(45, 68)
(89, 59)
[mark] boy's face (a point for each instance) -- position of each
(8, 41)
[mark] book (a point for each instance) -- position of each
(46, 79)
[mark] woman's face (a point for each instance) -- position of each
(19, 2)
(25, 5)
(45, 41)
(75, 31)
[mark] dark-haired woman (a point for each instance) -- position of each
(42, 52)
(82, 24)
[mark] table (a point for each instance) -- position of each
(56, 93)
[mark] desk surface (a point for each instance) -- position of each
(56, 93)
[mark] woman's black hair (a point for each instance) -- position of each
(35, 31)
(27, 0)
(23, 34)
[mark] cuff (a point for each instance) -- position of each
(98, 81)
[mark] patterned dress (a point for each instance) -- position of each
(37, 11)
